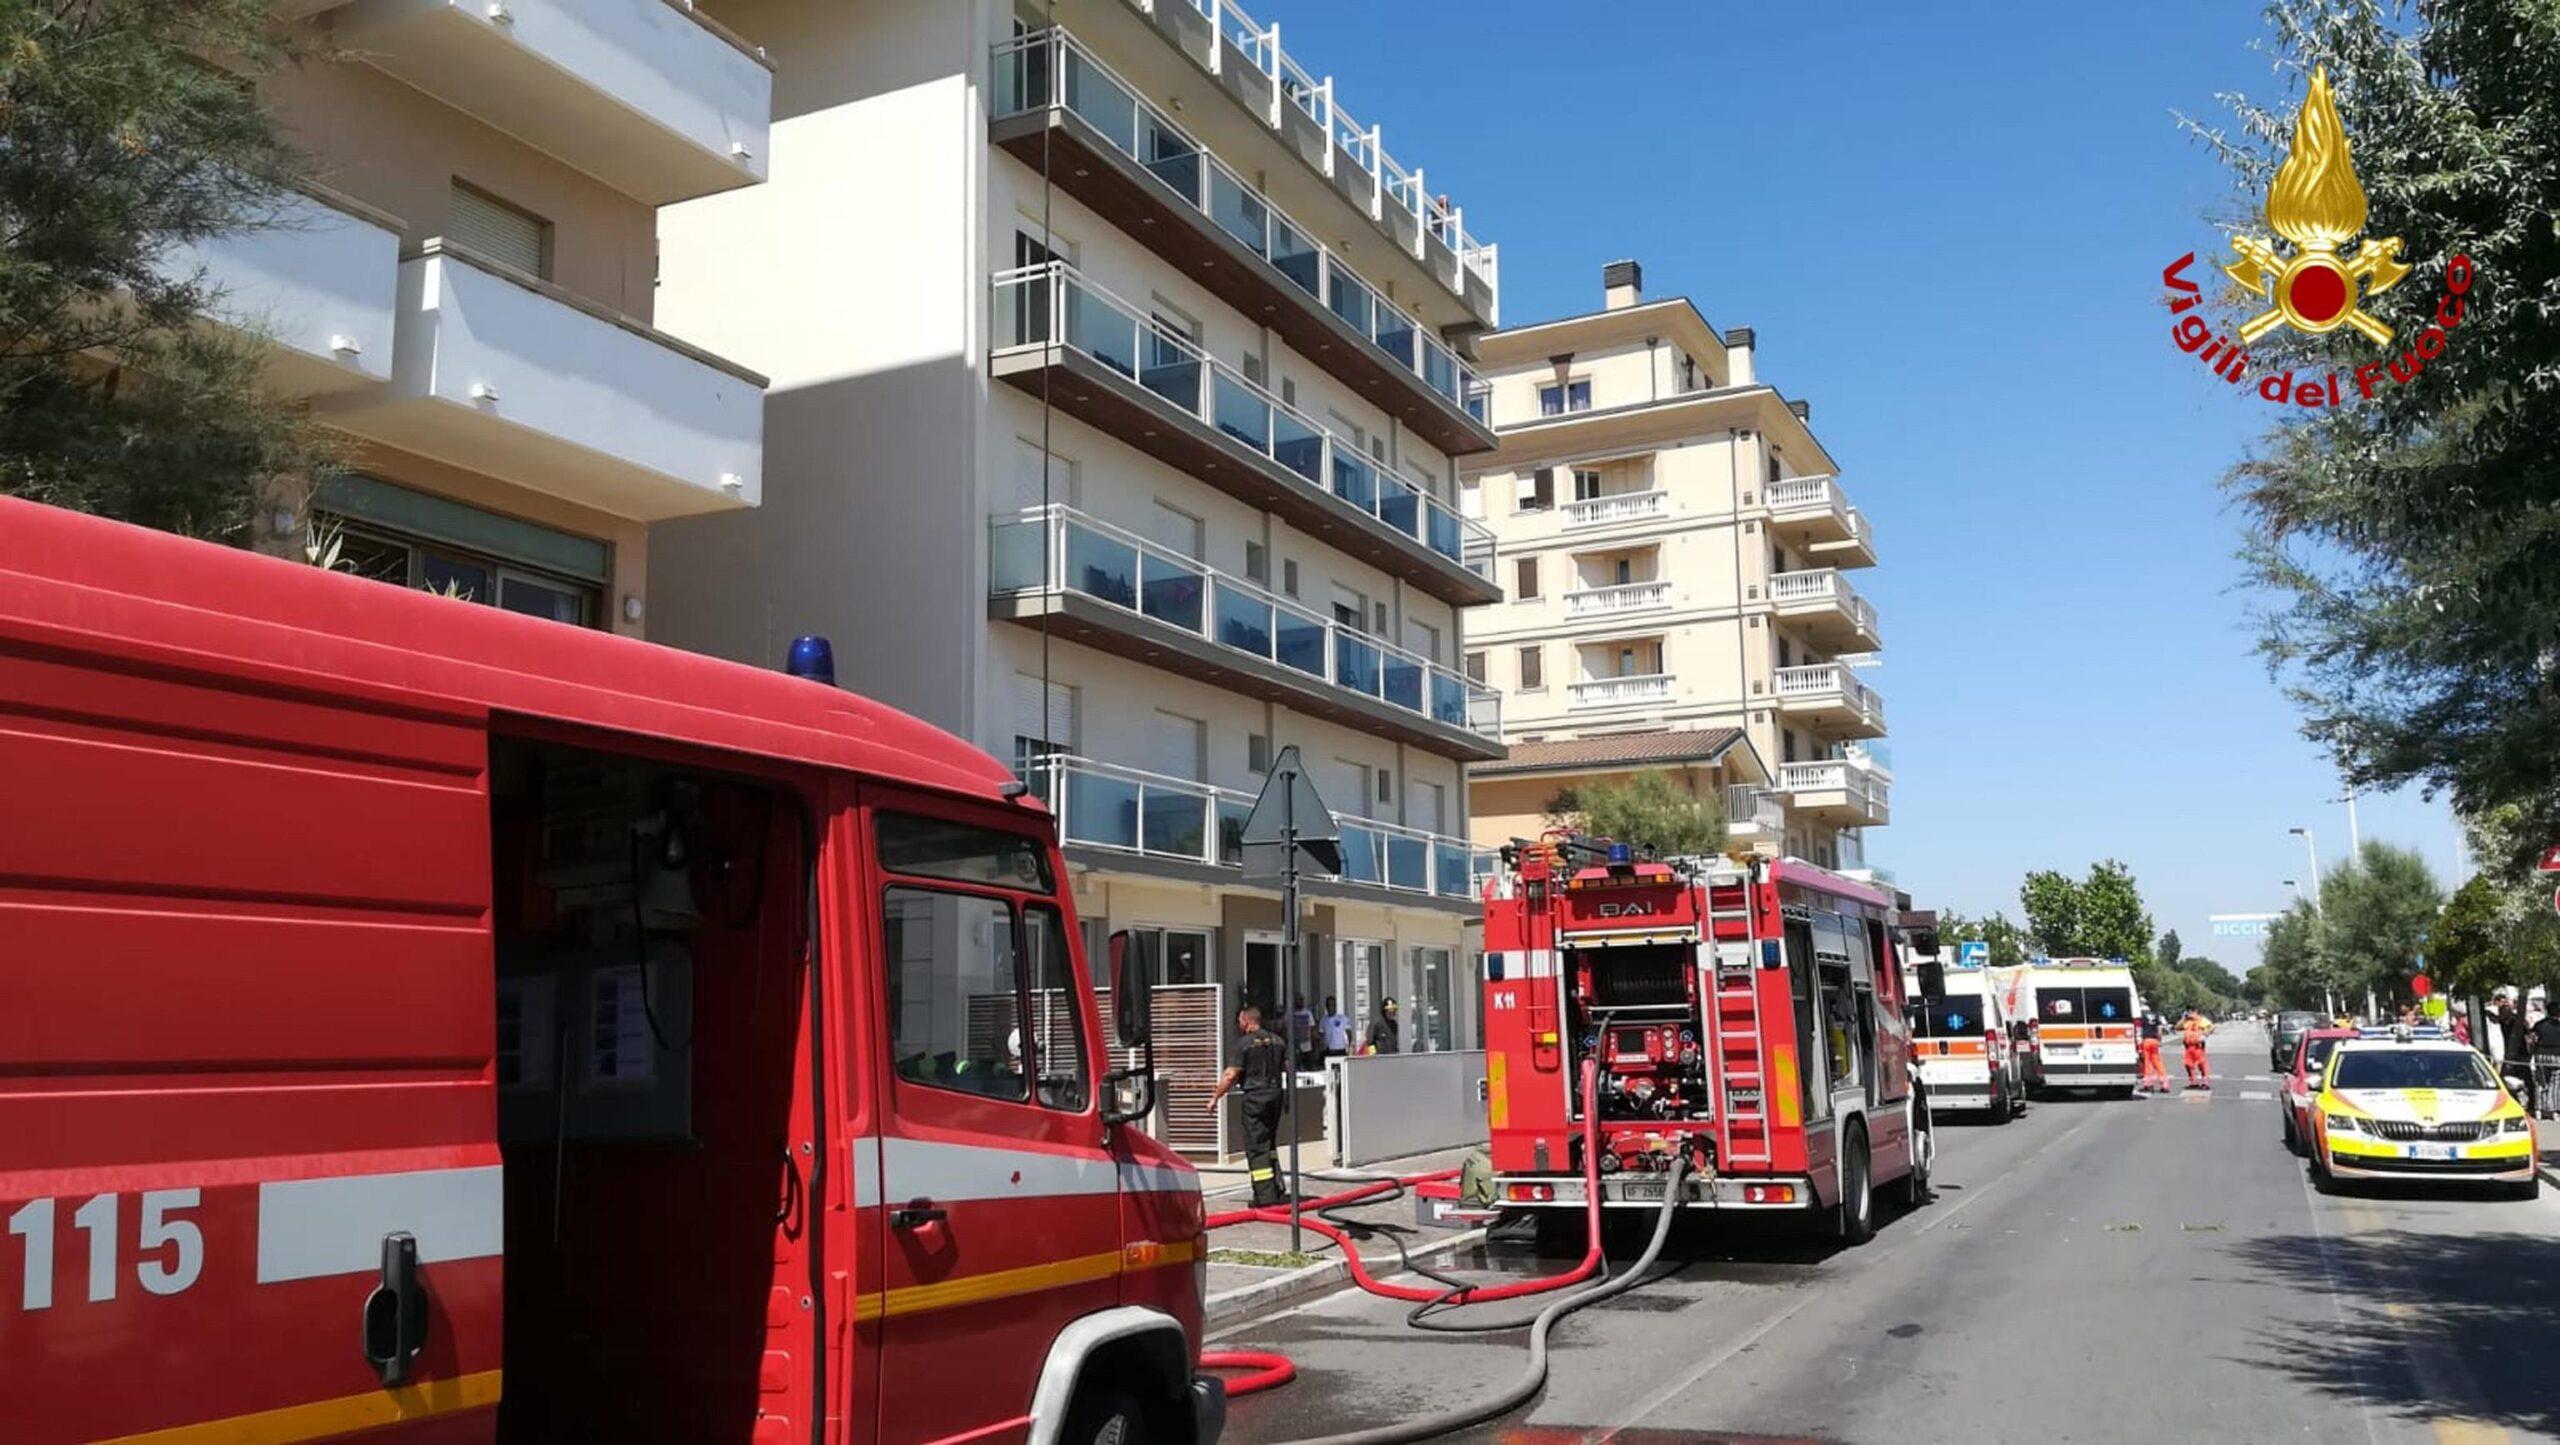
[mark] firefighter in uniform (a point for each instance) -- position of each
(1261, 1071)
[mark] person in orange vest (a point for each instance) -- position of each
(2155, 1074)
(2192, 1030)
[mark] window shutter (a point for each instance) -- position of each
(496, 230)
(1546, 488)
(1052, 717)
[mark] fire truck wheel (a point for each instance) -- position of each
(1853, 1219)
(1105, 1415)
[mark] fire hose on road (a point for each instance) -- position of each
(1268, 1370)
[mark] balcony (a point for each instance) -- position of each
(1822, 605)
(1858, 549)
(1126, 811)
(1101, 360)
(1841, 792)
(321, 280)
(1832, 700)
(1112, 150)
(1603, 692)
(1617, 601)
(507, 375)
(644, 95)
(1617, 507)
(1808, 511)
(1755, 818)
(1116, 591)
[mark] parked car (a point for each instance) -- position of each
(2290, 1026)
(2302, 1080)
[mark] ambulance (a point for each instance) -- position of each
(2083, 1023)
(432, 1023)
(1961, 1039)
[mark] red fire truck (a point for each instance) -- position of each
(1746, 1013)
(428, 1021)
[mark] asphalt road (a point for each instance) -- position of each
(2099, 1270)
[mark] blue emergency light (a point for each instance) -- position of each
(812, 657)
(1621, 855)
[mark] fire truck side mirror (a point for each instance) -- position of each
(1133, 985)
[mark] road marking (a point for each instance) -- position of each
(2257, 1093)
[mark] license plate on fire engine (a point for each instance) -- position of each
(1641, 1189)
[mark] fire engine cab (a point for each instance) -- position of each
(1747, 1014)
(428, 1022)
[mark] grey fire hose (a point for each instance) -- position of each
(1534, 1378)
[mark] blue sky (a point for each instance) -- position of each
(1947, 225)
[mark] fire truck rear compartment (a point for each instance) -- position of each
(650, 996)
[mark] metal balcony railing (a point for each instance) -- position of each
(1612, 601)
(1050, 68)
(1055, 305)
(1620, 691)
(1754, 812)
(1616, 507)
(1291, 84)
(1057, 549)
(1128, 810)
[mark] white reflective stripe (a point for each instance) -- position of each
(313, 1227)
(1541, 963)
(928, 1169)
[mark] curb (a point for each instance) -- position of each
(1322, 1278)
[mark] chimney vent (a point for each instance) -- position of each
(1622, 284)
(1740, 356)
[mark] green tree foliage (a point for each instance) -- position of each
(1650, 810)
(2100, 916)
(2376, 912)
(2008, 942)
(2410, 543)
(2208, 973)
(2498, 928)
(2290, 960)
(119, 142)
(2170, 950)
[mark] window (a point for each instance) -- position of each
(1044, 725)
(1257, 563)
(1625, 571)
(1773, 466)
(415, 539)
(1057, 1043)
(1533, 668)
(1386, 785)
(939, 848)
(1257, 753)
(1586, 484)
(1536, 491)
(1381, 629)
(500, 232)
(1289, 575)
(1557, 398)
(1289, 390)
(954, 992)
(1475, 668)
(1253, 368)
(1526, 569)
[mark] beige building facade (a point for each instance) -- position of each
(1118, 405)
(467, 294)
(1677, 553)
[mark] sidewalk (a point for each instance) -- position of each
(1251, 1270)
(2551, 1153)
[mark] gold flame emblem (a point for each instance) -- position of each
(2316, 204)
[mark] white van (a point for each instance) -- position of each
(1962, 1041)
(2085, 1020)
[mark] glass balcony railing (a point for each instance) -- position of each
(1050, 68)
(1128, 810)
(1057, 549)
(1053, 304)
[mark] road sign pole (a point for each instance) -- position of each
(1289, 965)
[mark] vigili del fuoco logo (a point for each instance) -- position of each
(2317, 205)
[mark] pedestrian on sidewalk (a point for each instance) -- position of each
(2542, 1039)
(2192, 1030)
(1302, 1027)
(1386, 1032)
(2155, 1074)
(1337, 1029)
(1261, 1069)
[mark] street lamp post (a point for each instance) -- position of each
(2319, 888)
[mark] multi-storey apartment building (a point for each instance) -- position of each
(1676, 551)
(468, 294)
(1118, 400)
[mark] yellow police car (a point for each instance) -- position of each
(2406, 1107)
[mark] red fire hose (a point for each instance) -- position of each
(1270, 1370)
